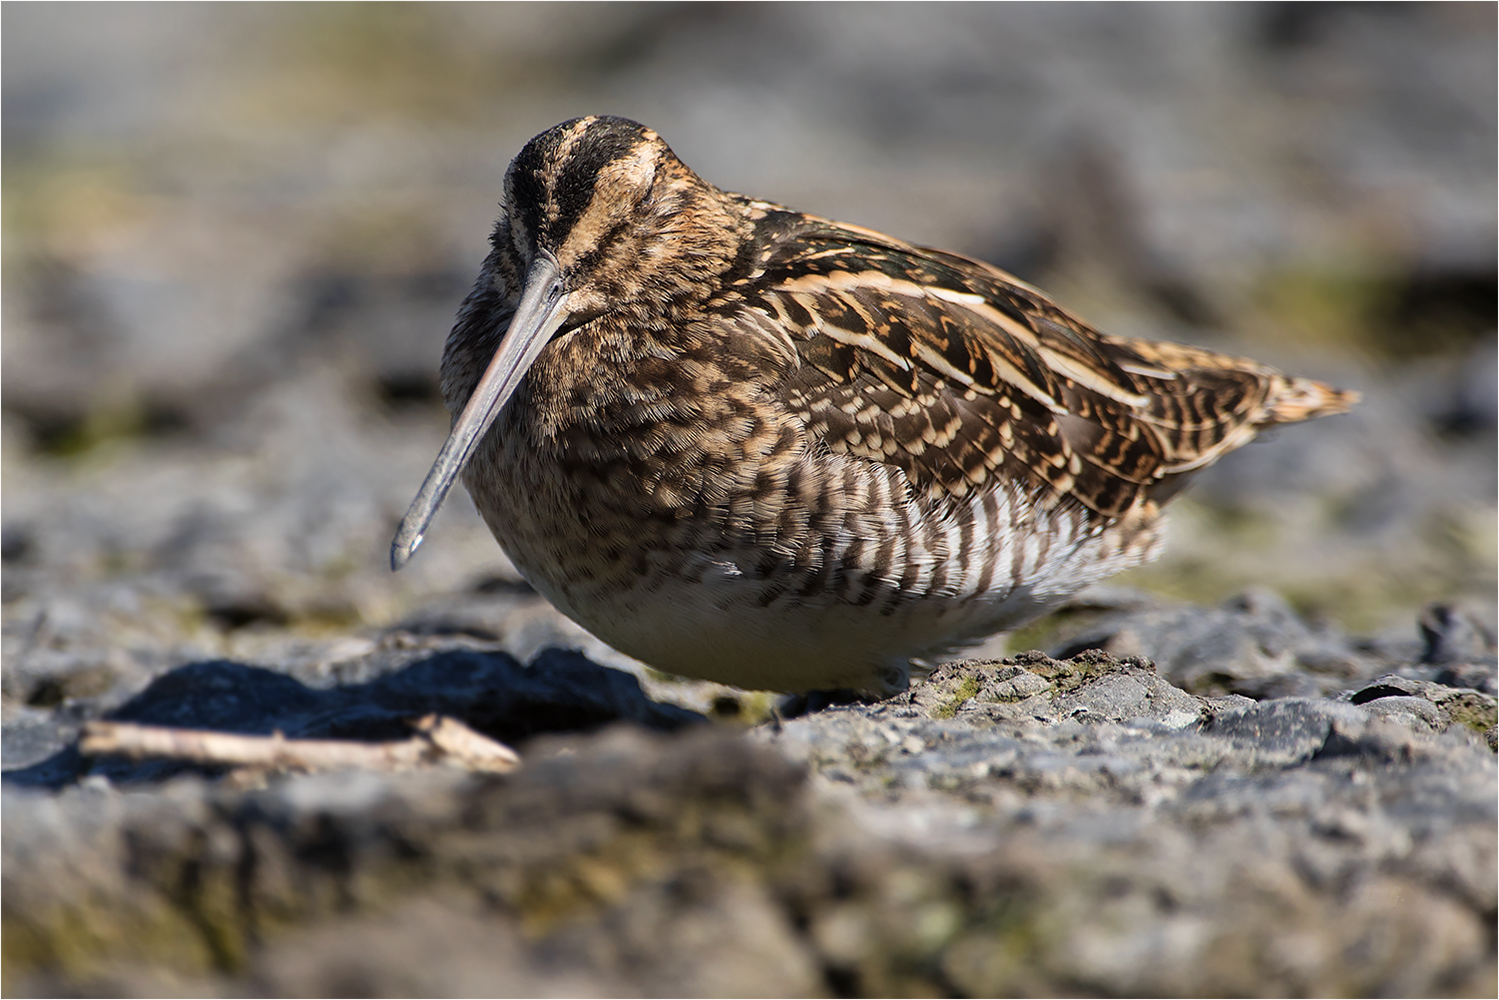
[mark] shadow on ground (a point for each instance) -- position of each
(492, 692)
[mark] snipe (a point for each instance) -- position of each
(755, 446)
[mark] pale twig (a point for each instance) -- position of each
(439, 740)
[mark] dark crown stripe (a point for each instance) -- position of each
(554, 176)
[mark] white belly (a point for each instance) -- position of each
(716, 628)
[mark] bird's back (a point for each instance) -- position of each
(963, 376)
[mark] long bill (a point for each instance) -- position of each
(540, 313)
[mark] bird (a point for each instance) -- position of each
(751, 445)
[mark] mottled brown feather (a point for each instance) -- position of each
(895, 370)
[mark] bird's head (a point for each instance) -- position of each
(599, 216)
(605, 203)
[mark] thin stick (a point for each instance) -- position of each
(439, 740)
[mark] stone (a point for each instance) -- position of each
(1286, 730)
(1418, 713)
(1252, 644)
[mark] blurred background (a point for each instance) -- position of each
(235, 236)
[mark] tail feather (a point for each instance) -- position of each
(1295, 399)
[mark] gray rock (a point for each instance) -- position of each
(589, 869)
(892, 849)
(1454, 635)
(1253, 644)
(1122, 697)
(1092, 687)
(1012, 684)
(1418, 713)
(1436, 705)
(1287, 730)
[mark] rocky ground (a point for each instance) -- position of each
(234, 239)
(1027, 826)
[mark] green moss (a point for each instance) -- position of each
(950, 782)
(1379, 307)
(64, 198)
(1328, 307)
(73, 939)
(352, 60)
(1011, 699)
(70, 436)
(862, 757)
(998, 954)
(749, 708)
(1067, 676)
(732, 840)
(966, 690)
(1043, 633)
(1472, 710)
(1359, 595)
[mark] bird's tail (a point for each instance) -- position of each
(1294, 399)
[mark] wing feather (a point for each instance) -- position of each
(963, 376)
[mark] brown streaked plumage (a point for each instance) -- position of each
(755, 446)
